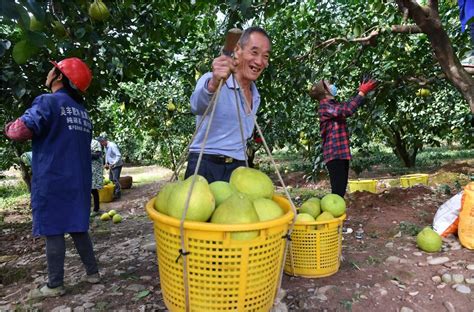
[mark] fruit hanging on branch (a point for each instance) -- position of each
(59, 29)
(35, 24)
(170, 106)
(98, 11)
(423, 92)
(22, 51)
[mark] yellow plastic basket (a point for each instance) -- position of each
(363, 185)
(414, 179)
(106, 194)
(315, 248)
(223, 274)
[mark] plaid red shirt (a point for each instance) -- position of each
(333, 126)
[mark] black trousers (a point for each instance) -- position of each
(213, 167)
(95, 195)
(338, 175)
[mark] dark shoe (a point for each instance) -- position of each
(91, 279)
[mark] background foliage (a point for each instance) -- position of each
(150, 53)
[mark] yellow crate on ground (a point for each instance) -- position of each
(106, 194)
(414, 179)
(222, 274)
(367, 185)
(315, 248)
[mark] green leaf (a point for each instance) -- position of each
(142, 294)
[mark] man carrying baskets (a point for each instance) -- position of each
(225, 150)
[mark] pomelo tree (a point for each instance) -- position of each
(145, 54)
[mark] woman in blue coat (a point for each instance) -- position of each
(61, 133)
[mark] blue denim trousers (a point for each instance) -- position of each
(56, 252)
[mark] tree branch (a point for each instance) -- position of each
(433, 4)
(406, 29)
(364, 40)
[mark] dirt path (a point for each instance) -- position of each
(384, 271)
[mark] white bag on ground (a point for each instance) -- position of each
(446, 218)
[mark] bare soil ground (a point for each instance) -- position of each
(384, 271)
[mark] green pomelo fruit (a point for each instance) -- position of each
(112, 213)
(161, 201)
(59, 29)
(35, 25)
(334, 204)
(324, 216)
(237, 209)
(312, 207)
(304, 217)
(428, 240)
(105, 217)
(252, 182)
(117, 218)
(99, 11)
(267, 209)
(170, 106)
(201, 203)
(22, 51)
(221, 191)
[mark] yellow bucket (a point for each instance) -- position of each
(223, 274)
(315, 248)
(414, 179)
(106, 194)
(363, 185)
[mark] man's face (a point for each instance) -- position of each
(50, 77)
(253, 57)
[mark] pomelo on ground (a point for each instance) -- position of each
(161, 201)
(428, 240)
(112, 213)
(311, 206)
(237, 209)
(221, 191)
(201, 203)
(334, 204)
(267, 209)
(252, 182)
(105, 217)
(117, 218)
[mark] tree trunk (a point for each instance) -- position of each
(427, 18)
(400, 147)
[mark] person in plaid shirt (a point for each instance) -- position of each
(333, 127)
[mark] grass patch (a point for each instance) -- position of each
(381, 156)
(10, 275)
(409, 228)
(10, 195)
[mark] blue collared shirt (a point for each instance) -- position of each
(224, 135)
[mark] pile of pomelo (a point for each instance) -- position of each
(246, 198)
(314, 209)
(111, 215)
